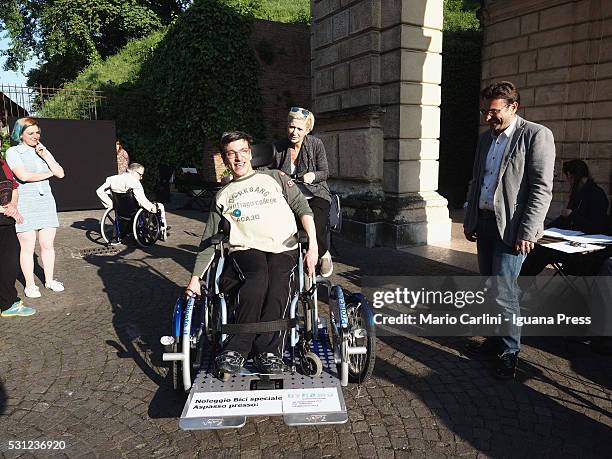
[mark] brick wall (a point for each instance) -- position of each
(283, 52)
(559, 54)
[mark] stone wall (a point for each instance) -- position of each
(283, 51)
(376, 68)
(559, 54)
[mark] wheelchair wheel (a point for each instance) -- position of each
(361, 333)
(146, 228)
(108, 228)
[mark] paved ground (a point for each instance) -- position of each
(87, 370)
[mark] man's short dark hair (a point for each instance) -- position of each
(501, 90)
(232, 136)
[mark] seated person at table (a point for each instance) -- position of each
(259, 207)
(130, 180)
(585, 211)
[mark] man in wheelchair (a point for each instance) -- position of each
(259, 207)
(130, 180)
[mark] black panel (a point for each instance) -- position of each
(86, 151)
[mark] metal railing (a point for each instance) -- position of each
(65, 103)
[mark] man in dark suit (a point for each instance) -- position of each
(510, 193)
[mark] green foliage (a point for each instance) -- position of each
(117, 75)
(200, 81)
(294, 11)
(6, 143)
(460, 96)
(180, 88)
(68, 35)
(461, 15)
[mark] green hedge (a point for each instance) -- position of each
(179, 88)
(461, 64)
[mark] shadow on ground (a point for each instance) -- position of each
(525, 417)
(142, 299)
(545, 411)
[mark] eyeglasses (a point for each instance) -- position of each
(303, 111)
(139, 174)
(232, 153)
(491, 111)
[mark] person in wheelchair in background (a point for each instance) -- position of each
(130, 180)
(259, 207)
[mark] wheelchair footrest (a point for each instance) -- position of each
(300, 399)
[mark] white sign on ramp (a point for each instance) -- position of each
(264, 402)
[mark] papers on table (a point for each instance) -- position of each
(577, 237)
(572, 247)
(561, 233)
(591, 239)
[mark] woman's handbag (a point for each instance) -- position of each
(335, 214)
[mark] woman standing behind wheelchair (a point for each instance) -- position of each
(32, 164)
(303, 157)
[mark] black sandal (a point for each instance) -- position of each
(229, 362)
(268, 363)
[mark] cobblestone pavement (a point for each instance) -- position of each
(87, 370)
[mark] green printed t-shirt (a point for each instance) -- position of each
(260, 210)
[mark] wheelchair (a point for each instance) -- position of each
(322, 354)
(126, 214)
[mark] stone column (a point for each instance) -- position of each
(376, 73)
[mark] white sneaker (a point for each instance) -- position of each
(327, 267)
(54, 285)
(32, 292)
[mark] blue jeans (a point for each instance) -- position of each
(502, 264)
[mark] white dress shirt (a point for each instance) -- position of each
(121, 184)
(493, 165)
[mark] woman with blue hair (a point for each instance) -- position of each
(33, 165)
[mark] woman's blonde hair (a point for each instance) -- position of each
(299, 113)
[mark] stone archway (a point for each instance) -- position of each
(376, 68)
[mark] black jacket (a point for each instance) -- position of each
(311, 158)
(589, 207)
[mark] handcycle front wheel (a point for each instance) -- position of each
(146, 228)
(177, 371)
(362, 333)
(108, 226)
